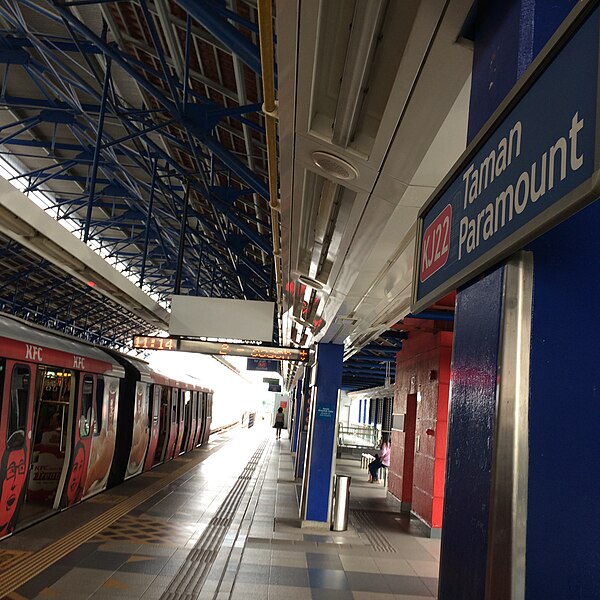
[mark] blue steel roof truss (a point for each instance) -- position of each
(114, 112)
(369, 367)
(34, 289)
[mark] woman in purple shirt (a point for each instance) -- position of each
(381, 460)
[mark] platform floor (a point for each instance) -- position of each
(222, 522)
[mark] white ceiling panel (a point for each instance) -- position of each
(411, 130)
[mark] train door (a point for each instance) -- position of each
(155, 425)
(200, 424)
(174, 423)
(141, 429)
(184, 402)
(15, 440)
(104, 437)
(82, 441)
(204, 417)
(164, 431)
(189, 444)
(54, 390)
(208, 418)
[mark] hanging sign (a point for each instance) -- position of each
(261, 364)
(278, 353)
(533, 165)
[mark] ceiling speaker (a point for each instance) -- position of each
(334, 165)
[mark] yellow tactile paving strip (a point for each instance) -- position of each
(30, 566)
(106, 499)
(8, 558)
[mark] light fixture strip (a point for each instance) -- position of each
(366, 27)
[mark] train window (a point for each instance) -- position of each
(99, 405)
(17, 413)
(156, 404)
(187, 395)
(174, 406)
(87, 398)
(54, 385)
(53, 392)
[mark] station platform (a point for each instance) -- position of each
(222, 522)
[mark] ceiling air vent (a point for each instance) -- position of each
(334, 165)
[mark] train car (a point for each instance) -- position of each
(161, 423)
(76, 419)
(54, 390)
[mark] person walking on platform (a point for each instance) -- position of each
(279, 420)
(382, 460)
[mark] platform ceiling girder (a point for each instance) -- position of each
(214, 22)
(81, 311)
(187, 121)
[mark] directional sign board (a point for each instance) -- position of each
(249, 350)
(534, 164)
(258, 351)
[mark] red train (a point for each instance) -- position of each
(76, 419)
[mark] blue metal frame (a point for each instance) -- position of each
(205, 14)
(226, 241)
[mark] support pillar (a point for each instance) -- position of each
(303, 420)
(507, 38)
(321, 443)
(297, 415)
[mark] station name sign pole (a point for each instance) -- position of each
(221, 348)
(534, 163)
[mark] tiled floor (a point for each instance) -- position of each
(213, 534)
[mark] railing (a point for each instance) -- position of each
(358, 436)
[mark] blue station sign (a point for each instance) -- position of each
(534, 164)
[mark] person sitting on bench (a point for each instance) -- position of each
(382, 460)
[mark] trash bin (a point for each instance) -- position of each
(341, 503)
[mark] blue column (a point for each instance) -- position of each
(508, 36)
(470, 429)
(302, 425)
(562, 559)
(321, 440)
(364, 414)
(472, 406)
(297, 415)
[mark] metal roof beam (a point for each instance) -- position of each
(359, 358)
(384, 349)
(224, 155)
(225, 32)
